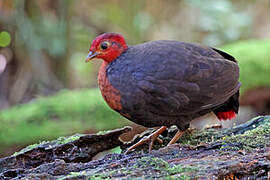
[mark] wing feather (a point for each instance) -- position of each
(174, 78)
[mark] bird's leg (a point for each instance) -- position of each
(152, 137)
(160, 141)
(176, 137)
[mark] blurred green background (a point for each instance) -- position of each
(47, 90)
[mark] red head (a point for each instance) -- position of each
(107, 46)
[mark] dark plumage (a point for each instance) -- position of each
(171, 83)
(164, 83)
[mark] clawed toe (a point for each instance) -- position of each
(151, 138)
(154, 136)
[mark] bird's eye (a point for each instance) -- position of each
(104, 45)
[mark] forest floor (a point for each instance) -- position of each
(242, 152)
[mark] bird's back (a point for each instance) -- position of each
(169, 82)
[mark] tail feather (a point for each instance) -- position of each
(229, 109)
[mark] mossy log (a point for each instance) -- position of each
(242, 152)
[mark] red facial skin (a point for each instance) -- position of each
(117, 45)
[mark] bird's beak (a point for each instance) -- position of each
(91, 55)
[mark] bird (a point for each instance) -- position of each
(164, 82)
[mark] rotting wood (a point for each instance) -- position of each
(239, 153)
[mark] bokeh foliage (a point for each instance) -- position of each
(50, 38)
(4, 39)
(253, 57)
(66, 113)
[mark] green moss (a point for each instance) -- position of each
(255, 138)
(153, 162)
(101, 132)
(60, 140)
(28, 148)
(253, 57)
(161, 165)
(146, 164)
(142, 166)
(181, 177)
(98, 177)
(47, 118)
(249, 140)
(196, 137)
(64, 140)
(181, 169)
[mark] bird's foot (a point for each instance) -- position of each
(151, 138)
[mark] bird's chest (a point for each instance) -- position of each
(110, 94)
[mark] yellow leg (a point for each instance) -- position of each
(151, 138)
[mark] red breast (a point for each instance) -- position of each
(109, 93)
